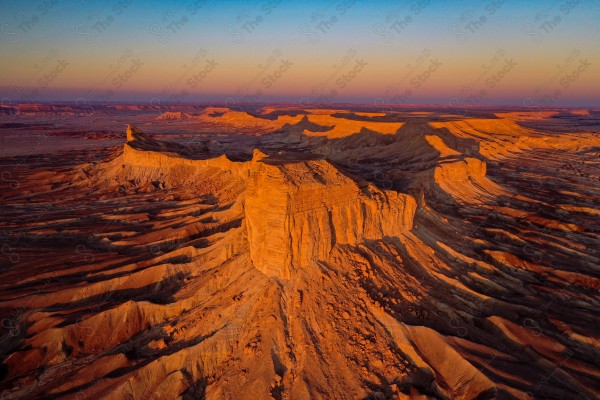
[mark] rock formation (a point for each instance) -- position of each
(297, 212)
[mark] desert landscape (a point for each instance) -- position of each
(274, 251)
(314, 200)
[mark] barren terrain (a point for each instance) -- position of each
(277, 252)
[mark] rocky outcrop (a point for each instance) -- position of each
(142, 151)
(465, 180)
(173, 116)
(332, 127)
(297, 212)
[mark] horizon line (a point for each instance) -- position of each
(289, 103)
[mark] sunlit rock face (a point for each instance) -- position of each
(297, 212)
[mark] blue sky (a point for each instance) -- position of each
(495, 52)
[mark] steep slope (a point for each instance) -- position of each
(297, 212)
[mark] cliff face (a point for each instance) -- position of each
(296, 213)
(465, 180)
(142, 151)
(173, 116)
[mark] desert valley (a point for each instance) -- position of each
(279, 252)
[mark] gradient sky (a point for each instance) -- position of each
(543, 53)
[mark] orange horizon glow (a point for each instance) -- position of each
(352, 60)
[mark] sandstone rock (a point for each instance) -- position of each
(297, 212)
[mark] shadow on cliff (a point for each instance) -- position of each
(389, 161)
